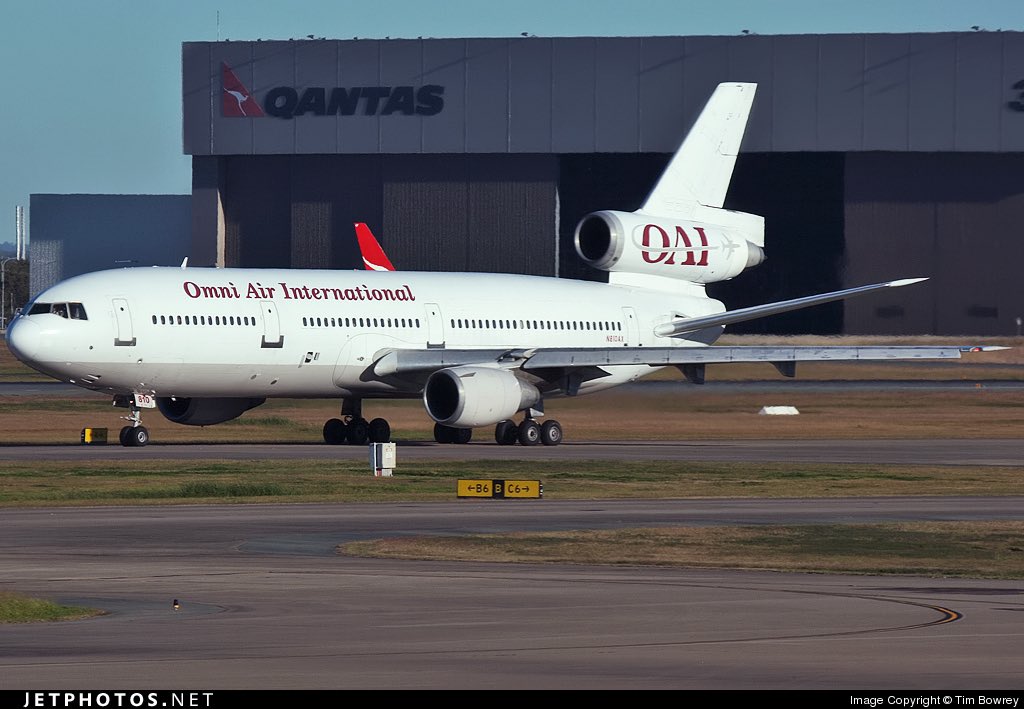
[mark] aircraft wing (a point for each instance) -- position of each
(662, 356)
(559, 361)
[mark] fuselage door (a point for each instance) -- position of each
(632, 328)
(125, 335)
(435, 325)
(272, 336)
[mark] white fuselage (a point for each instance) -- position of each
(204, 332)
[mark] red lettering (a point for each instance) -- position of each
(647, 244)
(690, 257)
(667, 254)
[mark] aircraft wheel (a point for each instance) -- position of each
(506, 433)
(551, 433)
(462, 435)
(358, 432)
(380, 431)
(444, 434)
(137, 436)
(123, 435)
(334, 432)
(529, 432)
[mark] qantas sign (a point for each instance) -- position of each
(288, 102)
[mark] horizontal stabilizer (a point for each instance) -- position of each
(685, 325)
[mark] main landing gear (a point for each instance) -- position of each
(353, 429)
(506, 433)
(450, 434)
(528, 433)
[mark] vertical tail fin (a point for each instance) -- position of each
(682, 238)
(374, 257)
(701, 169)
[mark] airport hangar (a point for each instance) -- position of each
(871, 156)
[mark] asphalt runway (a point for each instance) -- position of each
(266, 603)
(994, 452)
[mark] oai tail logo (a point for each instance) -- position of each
(236, 101)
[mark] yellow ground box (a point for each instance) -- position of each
(91, 436)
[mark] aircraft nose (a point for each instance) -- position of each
(23, 339)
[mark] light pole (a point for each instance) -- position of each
(3, 291)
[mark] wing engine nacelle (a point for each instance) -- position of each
(204, 412)
(465, 397)
(694, 251)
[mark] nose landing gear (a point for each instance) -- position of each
(134, 435)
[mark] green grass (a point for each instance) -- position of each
(935, 549)
(49, 482)
(17, 608)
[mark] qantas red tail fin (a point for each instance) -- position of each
(374, 257)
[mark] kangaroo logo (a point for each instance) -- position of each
(236, 101)
(1017, 105)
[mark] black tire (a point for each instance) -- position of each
(506, 433)
(334, 432)
(529, 433)
(358, 432)
(444, 434)
(462, 435)
(138, 436)
(380, 431)
(551, 433)
(123, 435)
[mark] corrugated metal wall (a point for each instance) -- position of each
(471, 213)
(448, 213)
(257, 232)
(958, 219)
(328, 196)
(81, 233)
(800, 195)
(830, 93)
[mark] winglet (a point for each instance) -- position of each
(374, 257)
(906, 282)
(184, 262)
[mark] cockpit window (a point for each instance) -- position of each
(75, 311)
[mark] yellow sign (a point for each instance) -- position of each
(501, 488)
(524, 488)
(94, 435)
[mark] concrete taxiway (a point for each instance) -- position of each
(992, 452)
(265, 602)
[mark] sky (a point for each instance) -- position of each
(92, 89)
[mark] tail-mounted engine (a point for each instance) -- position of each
(694, 251)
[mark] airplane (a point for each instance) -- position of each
(205, 345)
